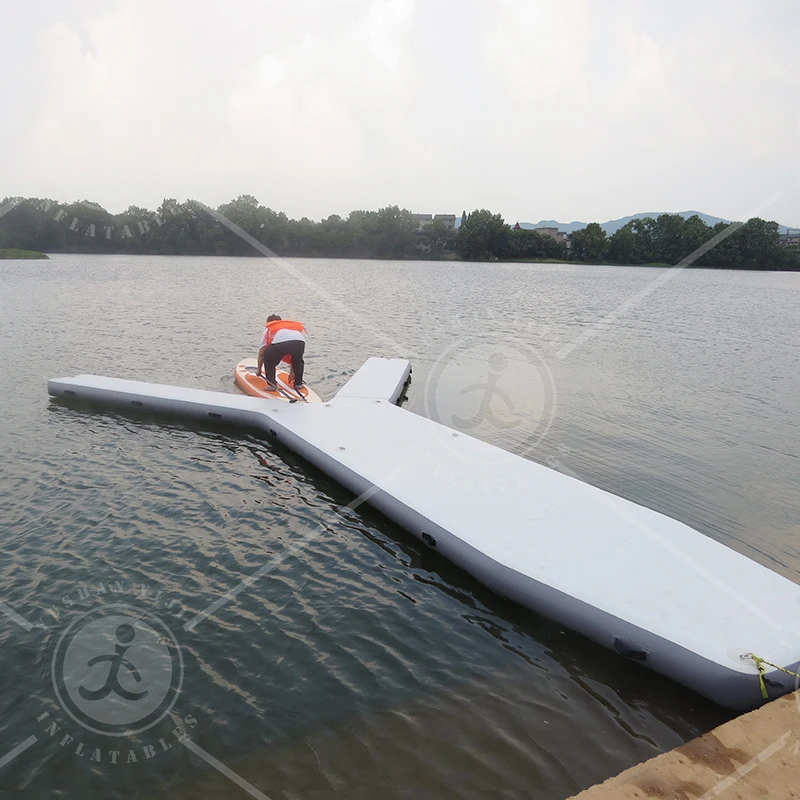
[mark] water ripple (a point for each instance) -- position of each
(364, 661)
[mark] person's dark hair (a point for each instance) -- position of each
(273, 318)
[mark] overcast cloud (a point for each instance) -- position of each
(575, 109)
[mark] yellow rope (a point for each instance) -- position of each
(760, 662)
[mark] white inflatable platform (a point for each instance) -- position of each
(640, 583)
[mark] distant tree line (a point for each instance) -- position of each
(191, 228)
(667, 239)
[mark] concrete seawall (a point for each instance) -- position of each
(751, 757)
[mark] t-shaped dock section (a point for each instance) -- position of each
(640, 583)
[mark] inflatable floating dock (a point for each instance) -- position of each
(651, 588)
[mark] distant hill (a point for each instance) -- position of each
(613, 225)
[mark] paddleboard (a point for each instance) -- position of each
(250, 383)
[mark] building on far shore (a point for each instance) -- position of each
(791, 238)
(553, 233)
(423, 220)
(448, 220)
(559, 236)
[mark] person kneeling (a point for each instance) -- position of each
(282, 338)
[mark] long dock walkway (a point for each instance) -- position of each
(647, 586)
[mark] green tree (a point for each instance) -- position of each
(531, 245)
(302, 238)
(273, 230)
(668, 239)
(439, 237)
(31, 225)
(622, 246)
(361, 225)
(484, 237)
(590, 244)
(246, 213)
(336, 237)
(725, 252)
(394, 233)
(645, 247)
(695, 234)
(759, 244)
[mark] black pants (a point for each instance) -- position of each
(272, 355)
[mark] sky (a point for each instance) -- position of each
(568, 110)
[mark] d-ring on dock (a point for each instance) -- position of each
(638, 582)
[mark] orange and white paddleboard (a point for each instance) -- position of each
(249, 382)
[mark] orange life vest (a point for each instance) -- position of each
(283, 325)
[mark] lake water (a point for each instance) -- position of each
(365, 662)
